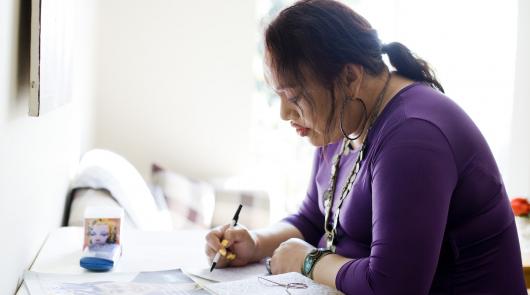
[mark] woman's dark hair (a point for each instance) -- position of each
(323, 36)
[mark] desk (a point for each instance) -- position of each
(142, 251)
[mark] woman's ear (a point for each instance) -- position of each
(353, 76)
(352, 72)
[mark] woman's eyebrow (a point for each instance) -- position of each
(285, 88)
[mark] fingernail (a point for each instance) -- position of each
(224, 243)
(222, 251)
(231, 256)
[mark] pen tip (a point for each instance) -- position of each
(213, 266)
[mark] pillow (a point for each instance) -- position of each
(194, 203)
(190, 202)
(102, 169)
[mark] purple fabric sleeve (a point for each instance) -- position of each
(413, 177)
(309, 220)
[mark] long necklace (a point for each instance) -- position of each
(331, 228)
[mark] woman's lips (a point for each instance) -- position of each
(301, 130)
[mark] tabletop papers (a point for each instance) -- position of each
(171, 282)
(230, 273)
(294, 282)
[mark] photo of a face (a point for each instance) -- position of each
(99, 234)
(101, 231)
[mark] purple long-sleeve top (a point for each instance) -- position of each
(428, 213)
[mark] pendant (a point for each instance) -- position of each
(329, 242)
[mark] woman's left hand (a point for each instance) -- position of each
(290, 256)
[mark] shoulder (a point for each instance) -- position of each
(422, 116)
(416, 119)
(419, 102)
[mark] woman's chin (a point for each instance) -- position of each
(317, 141)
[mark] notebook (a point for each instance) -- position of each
(293, 282)
(230, 273)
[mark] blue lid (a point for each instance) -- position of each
(96, 263)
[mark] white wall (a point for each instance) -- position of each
(174, 82)
(37, 155)
(518, 182)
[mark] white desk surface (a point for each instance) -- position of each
(142, 251)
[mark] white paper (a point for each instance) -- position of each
(172, 282)
(230, 273)
(256, 286)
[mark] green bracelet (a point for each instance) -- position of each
(311, 260)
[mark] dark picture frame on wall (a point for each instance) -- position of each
(51, 55)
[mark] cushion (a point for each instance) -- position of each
(190, 202)
(195, 203)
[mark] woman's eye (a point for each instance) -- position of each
(293, 99)
(291, 95)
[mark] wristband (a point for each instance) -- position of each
(311, 260)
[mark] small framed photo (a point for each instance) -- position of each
(102, 230)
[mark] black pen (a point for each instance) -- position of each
(232, 224)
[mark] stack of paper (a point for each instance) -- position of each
(171, 282)
(247, 280)
(294, 282)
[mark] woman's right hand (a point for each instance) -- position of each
(241, 242)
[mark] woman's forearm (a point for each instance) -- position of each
(268, 239)
(327, 267)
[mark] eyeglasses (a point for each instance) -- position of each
(288, 286)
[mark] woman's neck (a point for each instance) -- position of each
(371, 91)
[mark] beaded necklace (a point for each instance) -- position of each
(331, 228)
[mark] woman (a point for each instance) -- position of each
(405, 196)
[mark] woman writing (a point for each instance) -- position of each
(405, 196)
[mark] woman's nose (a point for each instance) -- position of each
(287, 111)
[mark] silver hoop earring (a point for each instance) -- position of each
(365, 115)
